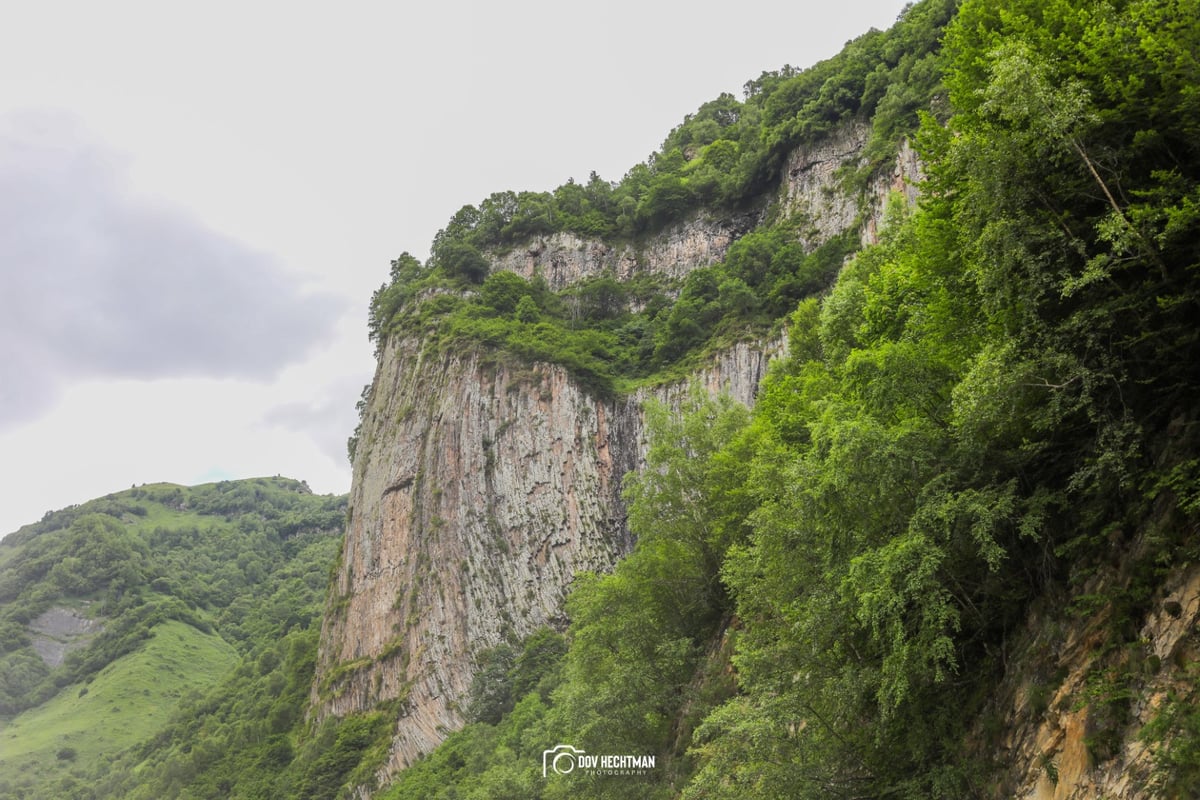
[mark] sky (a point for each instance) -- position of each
(197, 199)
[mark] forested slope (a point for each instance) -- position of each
(726, 163)
(991, 411)
(126, 620)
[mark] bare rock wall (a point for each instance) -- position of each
(813, 185)
(1062, 738)
(482, 486)
(481, 489)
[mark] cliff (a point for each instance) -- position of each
(1075, 713)
(1088, 705)
(483, 485)
(565, 258)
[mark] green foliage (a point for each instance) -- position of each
(1078, 246)
(238, 739)
(504, 675)
(491, 688)
(822, 591)
(500, 758)
(1173, 735)
(483, 761)
(337, 751)
(963, 390)
(638, 634)
(967, 420)
(611, 334)
(636, 639)
(462, 260)
(185, 582)
(128, 701)
(727, 156)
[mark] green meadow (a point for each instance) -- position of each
(123, 704)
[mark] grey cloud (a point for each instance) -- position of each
(96, 282)
(328, 420)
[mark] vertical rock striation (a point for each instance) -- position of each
(566, 258)
(483, 486)
(480, 490)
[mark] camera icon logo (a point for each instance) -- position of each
(560, 759)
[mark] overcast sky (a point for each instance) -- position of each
(197, 199)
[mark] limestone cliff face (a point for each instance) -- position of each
(811, 187)
(482, 486)
(811, 170)
(480, 490)
(737, 371)
(565, 258)
(904, 179)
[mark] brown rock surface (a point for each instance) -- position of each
(482, 486)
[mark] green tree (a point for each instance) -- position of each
(462, 260)
(502, 290)
(527, 310)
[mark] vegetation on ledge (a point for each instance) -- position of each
(726, 157)
(992, 406)
(729, 154)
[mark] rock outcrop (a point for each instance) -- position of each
(482, 486)
(565, 258)
(812, 186)
(1073, 708)
(59, 630)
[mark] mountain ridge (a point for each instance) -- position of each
(764, 470)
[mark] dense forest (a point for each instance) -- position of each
(989, 413)
(985, 409)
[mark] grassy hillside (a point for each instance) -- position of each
(177, 586)
(123, 704)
